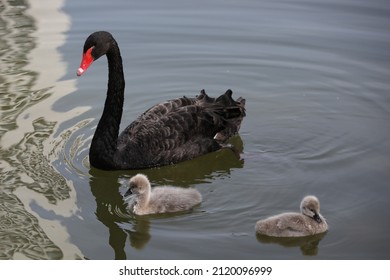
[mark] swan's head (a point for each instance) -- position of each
(310, 206)
(96, 45)
(138, 185)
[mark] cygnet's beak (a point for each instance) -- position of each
(317, 218)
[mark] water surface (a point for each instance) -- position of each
(316, 78)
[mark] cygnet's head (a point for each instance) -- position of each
(138, 184)
(310, 206)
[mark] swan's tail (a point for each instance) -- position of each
(228, 111)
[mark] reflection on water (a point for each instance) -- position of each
(123, 228)
(108, 203)
(22, 164)
(27, 177)
(20, 234)
(127, 229)
(308, 245)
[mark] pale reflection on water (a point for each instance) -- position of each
(29, 181)
(315, 76)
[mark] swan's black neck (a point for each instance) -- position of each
(104, 142)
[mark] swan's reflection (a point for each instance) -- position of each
(199, 170)
(107, 188)
(307, 244)
(111, 211)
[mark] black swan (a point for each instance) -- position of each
(141, 199)
(167, 133)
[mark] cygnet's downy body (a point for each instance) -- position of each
(143, 200)
(308, 222)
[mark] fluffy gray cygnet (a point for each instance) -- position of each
(141, 199)
(308, 222)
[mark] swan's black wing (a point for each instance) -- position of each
(180, 129)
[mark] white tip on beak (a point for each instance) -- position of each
(80, 71)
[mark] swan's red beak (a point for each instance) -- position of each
(85, 62)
